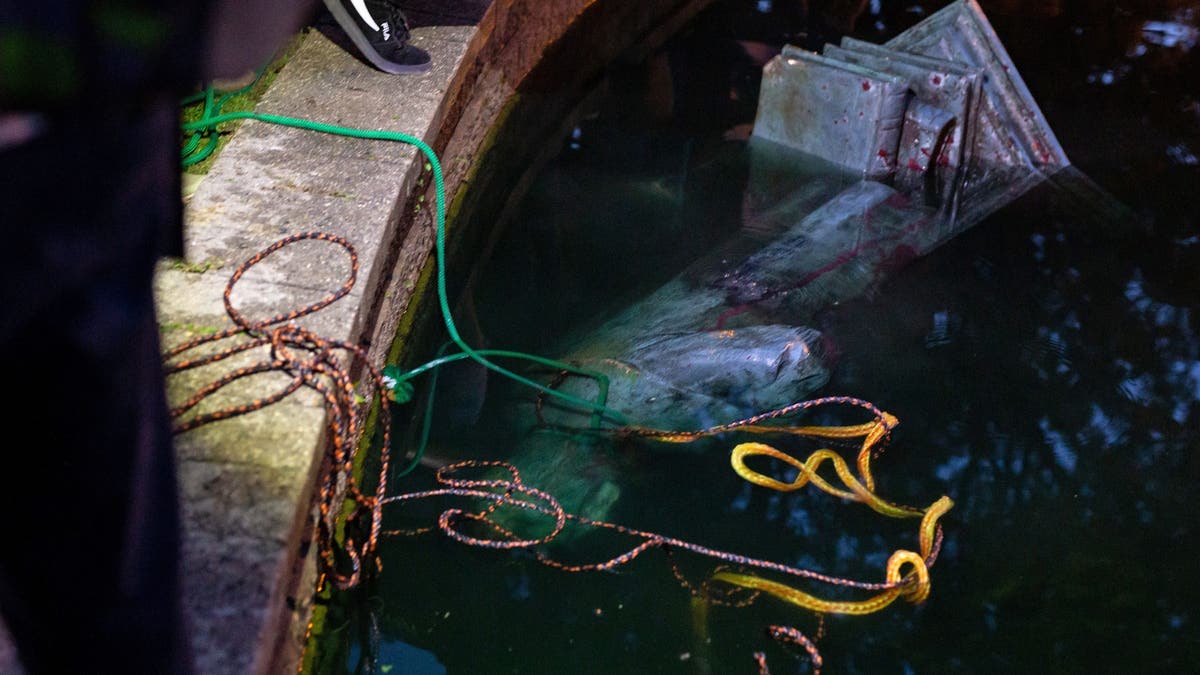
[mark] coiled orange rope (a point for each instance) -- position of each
(311, 361)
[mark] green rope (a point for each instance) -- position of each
(192, 152)
(598, 408)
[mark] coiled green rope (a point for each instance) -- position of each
(192, 152)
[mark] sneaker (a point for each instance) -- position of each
(380, 31)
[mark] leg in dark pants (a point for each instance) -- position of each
(89, 576)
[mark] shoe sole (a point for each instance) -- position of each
(350, 26)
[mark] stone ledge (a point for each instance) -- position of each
(247, 483)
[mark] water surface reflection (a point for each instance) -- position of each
(1045, 367)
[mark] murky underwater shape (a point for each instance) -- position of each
(1044, 367)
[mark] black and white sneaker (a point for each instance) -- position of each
(380, 31)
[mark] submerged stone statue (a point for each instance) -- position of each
(939, 112)
(699, 379)
(905, 145)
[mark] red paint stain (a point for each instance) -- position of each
(913, 166)
(866, 86)
(730, 313)
(883, 153)
(925, 151)
(897, 259)
(831, 350)
(937, 80)
(1042, 152)
(887, 258)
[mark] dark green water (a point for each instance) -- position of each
(1045, 368)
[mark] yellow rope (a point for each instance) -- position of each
(859, 490)
(907, 572)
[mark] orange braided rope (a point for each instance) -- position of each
(312, 362)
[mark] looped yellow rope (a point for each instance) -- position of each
(907, 572)
(859, 490)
